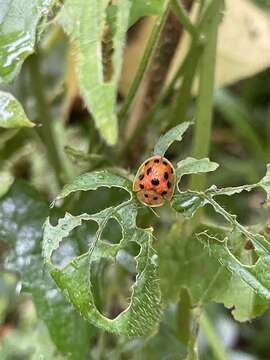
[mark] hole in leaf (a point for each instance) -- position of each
(75, 244)
(112, 282)
(95, 201)
(126, 257)
(249, 206)
(112, 232)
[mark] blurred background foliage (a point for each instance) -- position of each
(240, 142)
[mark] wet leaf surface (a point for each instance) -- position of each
(19, 20)
(12, 114)
(22, 213)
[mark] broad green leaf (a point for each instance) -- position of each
(144, 8)
(142, 315)
(84, 22)
(243, 300)
(19, 20)
(194, 166)
(255, 275)
(174, 134)
(12, 114)
(239, 295)
(182, 265)
(94, 180)
(22, 213)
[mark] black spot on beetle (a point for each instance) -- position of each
(148, 171)
(169, 184)
(156, 161)
(171, 171)
(145, 195)
(165, 163)
(146, 163)
(155, 182)
(166, 175)
(155, 197)
(141, 186)
(141, 176)
(164, 192)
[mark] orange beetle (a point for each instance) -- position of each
(155, 181)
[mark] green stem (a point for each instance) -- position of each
(192, 344)
(201, 143)
(212, 339)
(182, 15)
(203, 125)
(182, 98)
(44, 116)
(144, 61)
(183, 317)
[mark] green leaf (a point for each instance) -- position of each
(187, 203)
(254, 275)
(94, 180)
(194, 166)
(265, 182)
(144, 8)
(174, 134)
(84, 22)
(142, 315)
(22, 213)
(19, 20)
(12, 114)
(182, 265)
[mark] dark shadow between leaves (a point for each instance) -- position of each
(94, 201)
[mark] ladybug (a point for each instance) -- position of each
(155, 181)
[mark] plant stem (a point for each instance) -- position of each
(181, 100)
(144, 61)
(182, 15)
(183, 317)
(208, 27)
(192, 344)
(44, 116)
(203, 124)
(213, 340)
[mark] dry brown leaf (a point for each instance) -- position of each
(243, 45)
